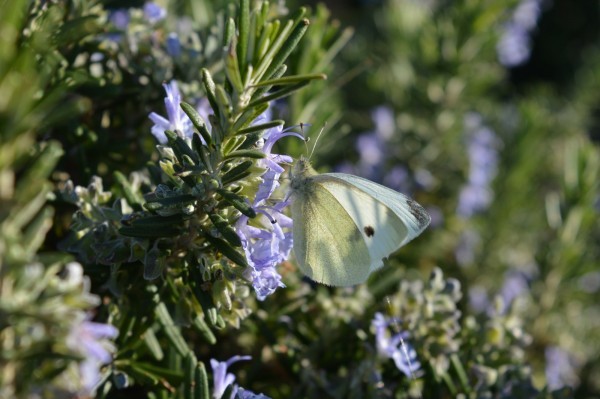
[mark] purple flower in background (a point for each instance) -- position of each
(394, 347)
(264, 241)
(177, 119)
(221, 378)
(515, 284)
(514, 46)
(476, 196)
(154, 13)
(561, 368)
(173, 45)
(91, 341)
(241, 393)
(120, 18)
(465, 250)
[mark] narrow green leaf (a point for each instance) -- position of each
(261, 127)
(289, 45)
(152, 344)
(202, 296)
(286, 91)
(254, 154)
(201, 379)
(232, 69)
(223, 226)
(243, 27)
(289, 80)
(248, 116)
(171, 330)
(277, 74)
(197, 121)
(179, 200)
(234, 173)
(132, 197)
(144, 232)
(159, 222)
(209, 87)
(227, 250)
(229, 32)
(204, 330)
(267, 58)
(189, 375)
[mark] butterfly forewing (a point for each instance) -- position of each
(336, 253)
(381, 215)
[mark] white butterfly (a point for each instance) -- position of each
(344, 225)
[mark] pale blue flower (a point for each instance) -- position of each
(221, 378)
(395, 346)
(177, 119)
(173, 45)
(91, 341)
(561, 368)
(241, 393)
(476, 196)
(264, 241)
(120, 18)
(514, 46)
(154, 13)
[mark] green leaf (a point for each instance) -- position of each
(223, 226)
(236, 173)
(227, 250)
(261, 127)
(209, 87)
(144, 232)
(240, 203)
(243, 27)
(204, 329)
(289, 45)
(197, 121)
(201, 380)
(171, 330)
(254, 154)
(286, 91)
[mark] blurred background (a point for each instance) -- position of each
(484, 111)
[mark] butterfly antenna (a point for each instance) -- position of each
(402, 343)
(316, 141)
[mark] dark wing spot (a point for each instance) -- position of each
(369, 231)
(418, 212)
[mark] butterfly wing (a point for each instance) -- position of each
(335, 253)
(385, 219)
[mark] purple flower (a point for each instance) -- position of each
(241, 393)
(221, 378)
(516, 283)
(394, 347)
(90, 340)
(561, 368)
(120, 18)
(177, 119)
(465, 250)
(154, 13)
(264, 240)
(514, 46)
(476, 196)
(173, 45)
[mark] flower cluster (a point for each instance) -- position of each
(395, 347)
(176, 120)
(476, 196)
(374, 150)
(222, 380)
(264, 240)
(514, 47)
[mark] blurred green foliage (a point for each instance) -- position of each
(75, 94)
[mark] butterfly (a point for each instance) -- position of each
(345, 225)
